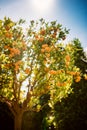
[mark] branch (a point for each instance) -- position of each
(19, 86)
(84, 60)
(35, 109)
(13, 86)
(31, 66)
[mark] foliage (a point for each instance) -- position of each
(30, 57)
(71, 112)
(34, 62)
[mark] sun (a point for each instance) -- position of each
(42, 6)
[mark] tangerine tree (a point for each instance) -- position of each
(34, 62)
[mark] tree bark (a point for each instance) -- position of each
(18, 121)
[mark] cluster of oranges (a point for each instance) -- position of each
(67, 60)
(17, 65)
(42, 31)
(73, 73)
(77, 79)
(8, 35)
(39, 38)
(45, 48)
(13, 51)
(27, 71)
(61, 84)
(8, 65)
(77, 75)
(52, 72)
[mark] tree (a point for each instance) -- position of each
(33, 62)
(71, 113)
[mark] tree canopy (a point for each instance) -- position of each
(34, 61)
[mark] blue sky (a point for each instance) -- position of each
(71, 13)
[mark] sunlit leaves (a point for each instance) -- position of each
(85, 76)
(34, 62)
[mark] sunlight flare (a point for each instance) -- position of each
(42, 6)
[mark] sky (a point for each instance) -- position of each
(72, 14)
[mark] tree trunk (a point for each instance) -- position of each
(18, 121)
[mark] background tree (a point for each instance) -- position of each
(34, 62)
(71, 112)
